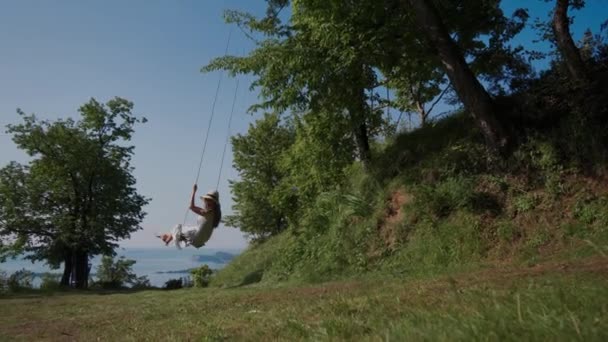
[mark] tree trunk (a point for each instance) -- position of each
(422, 112)
(81, 267)
(358, 115)
(565, 44)
(473, 95)
(363, 144)
(67, 268)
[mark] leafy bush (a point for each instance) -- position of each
(524, 203)
(141, 283)
(441, 199)
(201, 275)
(575, 229)
(592, 210)
(115, 274)
(542, 162)
(50, 281)
(453, 241)
(20, 280)
(506, 231)
(173, 284)
(591, 214)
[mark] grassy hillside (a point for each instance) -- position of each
(549, 301)
(438, 200)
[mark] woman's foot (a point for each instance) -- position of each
(167, 238)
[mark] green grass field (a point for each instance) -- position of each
(550, 301)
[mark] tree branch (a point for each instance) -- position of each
(449, 86)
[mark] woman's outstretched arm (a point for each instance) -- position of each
(193, 207)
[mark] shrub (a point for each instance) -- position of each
(50, 281)
(173, 284)
(524, 203)
(435, 244)
(141, 283)
(201, 275)
(592, 211)
(20, 280)
(507, 231)
(441, 199)
(115, 274)
(575, 229)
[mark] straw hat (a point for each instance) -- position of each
(212, 195)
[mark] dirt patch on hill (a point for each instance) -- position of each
(388, 225)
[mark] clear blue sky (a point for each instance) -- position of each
(55, 55)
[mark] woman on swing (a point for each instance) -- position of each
(209, 218)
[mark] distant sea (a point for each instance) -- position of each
(158, 264)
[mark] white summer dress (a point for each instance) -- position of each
(197, 235)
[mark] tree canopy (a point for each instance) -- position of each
(76, 197)
(327, 64)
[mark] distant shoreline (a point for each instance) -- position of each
(159, 264)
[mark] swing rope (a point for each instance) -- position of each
(217, 91)
(204, 148)
(219, 175)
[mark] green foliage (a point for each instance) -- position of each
(332, 240)
(542, 161)
(20, 280)
(443, 198)
(324, 66)
(506, 231)
(115, 274)
(173, 284)
(328, 53)
(250, 267)
(277, 183)
(201, 276)
(592, 210)
(539, 238)
(448, 147)
(50, 282)
(540, 155)
(454, 217)
(141, 283)
(256, 157)
(525, 203)
(432, 245)
(316, 162)
(329, 239)
(77, 194)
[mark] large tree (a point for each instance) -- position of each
(330, 54)
(477, 101)
(315, 64)
(563, 39)
(76, 198)
(416, 72)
